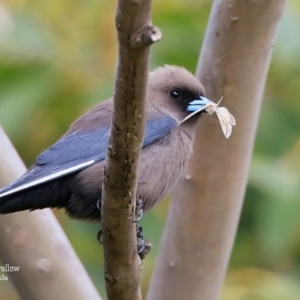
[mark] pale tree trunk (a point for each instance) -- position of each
(204, 214)
(35, 242)
(123, 267)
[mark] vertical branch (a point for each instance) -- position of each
(135, 35)
(206, 207)
(49, 267)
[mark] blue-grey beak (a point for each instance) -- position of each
(196, 105)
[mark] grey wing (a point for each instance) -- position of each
(79, 151)
(71, 154)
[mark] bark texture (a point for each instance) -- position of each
(123, 266)
(49, 267)
(204, 214)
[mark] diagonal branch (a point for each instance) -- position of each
(135, 35)
(206, 207)
(49, 267)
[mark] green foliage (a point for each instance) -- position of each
(57, 59)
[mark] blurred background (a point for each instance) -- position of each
(57, 59)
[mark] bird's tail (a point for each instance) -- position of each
(50, 194)
(19, 202)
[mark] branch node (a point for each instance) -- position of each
(146, 37)
(151, 34)
(234, 19)
(109, 278)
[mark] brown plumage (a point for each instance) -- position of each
(167, 148)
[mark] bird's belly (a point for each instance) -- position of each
(160, 168)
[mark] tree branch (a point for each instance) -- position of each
(122, 264)
(206, 207)
(49, 267)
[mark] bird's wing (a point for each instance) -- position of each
(79, 151)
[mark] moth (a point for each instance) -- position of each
(226, 119)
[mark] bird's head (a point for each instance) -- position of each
(175, 91)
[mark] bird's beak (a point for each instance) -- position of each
(198, 105)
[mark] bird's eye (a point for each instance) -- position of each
(176, 94)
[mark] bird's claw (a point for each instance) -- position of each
(144, 249)
(139, 212)
(99, 237)
(143, 246)
(99, 204)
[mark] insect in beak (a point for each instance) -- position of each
(226, 119)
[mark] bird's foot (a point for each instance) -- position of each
(99, 237)
(143, 246)
(99, 234)
(99, 204)
(139, 212)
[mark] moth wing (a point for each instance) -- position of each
(227, 115)
(226, 120)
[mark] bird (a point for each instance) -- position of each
(69, 174)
